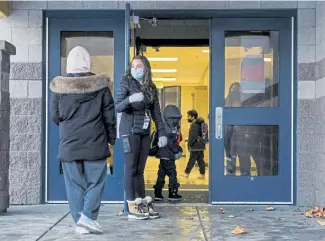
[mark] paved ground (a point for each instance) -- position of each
(181, 222)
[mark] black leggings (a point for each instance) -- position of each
(135, 163)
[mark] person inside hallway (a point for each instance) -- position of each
(137, 100)
(196, 145)
(169, 154)
(237, 138)
(82, 107)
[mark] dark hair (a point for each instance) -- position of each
(193, 113)
(147, 85)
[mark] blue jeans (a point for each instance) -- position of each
(84, 182)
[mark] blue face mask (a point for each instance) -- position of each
(137, 73)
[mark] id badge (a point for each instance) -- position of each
(146, 122)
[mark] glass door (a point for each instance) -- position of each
(251, 106)
(103, 36)
(171, 95)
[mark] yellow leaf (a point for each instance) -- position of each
(239, 230)
(270, 208)
(321, 222)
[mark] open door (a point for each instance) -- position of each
(104, 38)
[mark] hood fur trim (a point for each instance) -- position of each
(79, 85)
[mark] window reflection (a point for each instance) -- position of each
(251, 150)
(251, 64)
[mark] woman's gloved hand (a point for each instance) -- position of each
(137, 97)
(162, 141)
(178, 155)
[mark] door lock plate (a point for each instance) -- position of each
(219, 127)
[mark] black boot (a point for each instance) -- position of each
(173, 195)
(158, 194)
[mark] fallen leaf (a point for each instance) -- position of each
(239, 230)
(316, 211)
(250, 210)
(321, 222)
(318, 215)
(221, 211)
(309, 213)
(270, 208)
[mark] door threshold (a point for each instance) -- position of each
(252, 203)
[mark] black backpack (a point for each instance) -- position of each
(153, 150)
(204, 133)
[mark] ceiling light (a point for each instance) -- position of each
(164, 70)
(163, 59)
(205, 51)
(164, 79)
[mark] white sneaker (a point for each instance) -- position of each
(97, 224)
(82, 230)
(89, 224)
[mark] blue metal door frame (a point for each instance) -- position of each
(120, 23)
(244, 189)
(76, 21)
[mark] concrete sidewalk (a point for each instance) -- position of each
(178, 222)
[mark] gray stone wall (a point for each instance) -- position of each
(319, 165)
(6, 50)
(26, 84)
(306, 102)
(311, 106)
(24, 29)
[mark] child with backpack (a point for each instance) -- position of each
(197, 139)
(168, 154)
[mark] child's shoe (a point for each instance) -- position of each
(173, 195)
(158, 194)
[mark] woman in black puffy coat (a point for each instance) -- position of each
(137, 100)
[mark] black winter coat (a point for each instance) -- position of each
(83, 108)
(133, 114)
(194, 141)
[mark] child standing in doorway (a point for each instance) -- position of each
(169, 154)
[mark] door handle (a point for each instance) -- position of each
(219, 126)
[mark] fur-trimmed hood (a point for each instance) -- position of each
(79, 85)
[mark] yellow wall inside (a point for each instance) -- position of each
(193, 97)
(4, 9)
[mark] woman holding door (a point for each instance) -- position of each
(137, 100)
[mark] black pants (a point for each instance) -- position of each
(135, 163)
(196, 156)
(167, 167)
